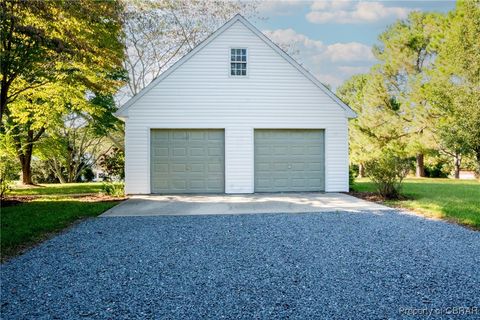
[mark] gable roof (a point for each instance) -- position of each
(237, 18)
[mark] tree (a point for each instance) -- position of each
(72, 147)
(453, 143)
(424, 95)
(44, 41)
(449, 133)
(352, 93)
(9, 168)
(406, 53)
(455, 86)
(379, 123)
(29, 117)
(51, 52)
(113, 164)
(78, 140)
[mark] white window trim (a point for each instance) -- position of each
(247, 63)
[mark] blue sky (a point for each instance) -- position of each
(333, 39)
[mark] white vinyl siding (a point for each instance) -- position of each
(202, 94)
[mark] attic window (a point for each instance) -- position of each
(238, 62)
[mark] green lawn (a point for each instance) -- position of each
(53, 210)
(59, 189)
(455, 200)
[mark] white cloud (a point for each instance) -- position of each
(290, 36)
(350, 51)
(353, 12)
(279, 7)
(334, 4)
(333, 63)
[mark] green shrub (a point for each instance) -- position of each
(87, 174)
(387, 172)
(114, 189)
(436, 170)
(8, 173)
(354, 169)
(5, 187)
(113, 164)
(352, 173)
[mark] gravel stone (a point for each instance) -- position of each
(331, 265)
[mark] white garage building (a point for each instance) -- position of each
(235, 115)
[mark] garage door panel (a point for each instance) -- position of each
(179, 167)
(280, 183)
(214, 168)
(178, 184)
(289, 160)
(311, 166)
(197, 184)
(197, 136)
(161, 135)
(161, 168)
(160, 183)
(262, 183)
(179, 135)
(213, 183)
(215, 151)
(298, 183)
(280, 150)
(301, 167)
(187, 161)
(314, 182)
(197, 151)
(262, 150)
(263, 166)
(315, 150)
(279, 166)
(178, 151)
(298, 151)
(160, 151)
(217, 135)
(197, 167)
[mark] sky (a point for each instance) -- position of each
(333, 39)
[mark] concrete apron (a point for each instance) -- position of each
(157, 205)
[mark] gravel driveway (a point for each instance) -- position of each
(303, 266)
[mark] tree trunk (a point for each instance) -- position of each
(117, 143)
(361, 170)
(26, 161)
(25, 151)
(457, 166)
(420, 170)
(3, 98)
(57, 171)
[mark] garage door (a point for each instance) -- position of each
(289, 160)
(187, 161)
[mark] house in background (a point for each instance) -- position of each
(236, 115)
